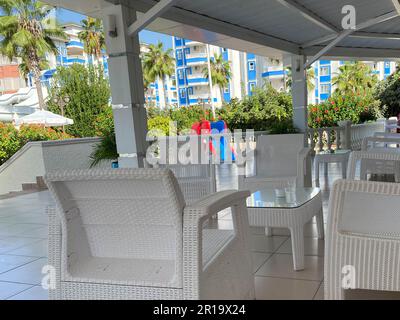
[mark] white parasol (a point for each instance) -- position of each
(45, 118)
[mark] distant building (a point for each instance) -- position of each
(10, 78)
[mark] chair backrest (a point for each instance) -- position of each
(374, 162)
(386, 141)
(276, 155)
(120, 213)
(364, 208)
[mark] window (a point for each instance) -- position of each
(252, 65)
(180, 74)
(183, 94)
(324, 71)
(325, 88)
(190, 90)
(226, 90)
(179, 54)
(252, 86)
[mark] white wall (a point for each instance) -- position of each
(36, 158)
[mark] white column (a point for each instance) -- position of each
(299, 92)
(127, 90)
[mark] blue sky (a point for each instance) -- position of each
(146, 36)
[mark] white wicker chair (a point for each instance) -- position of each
(279, 160)
(127, 234)
(378, 162)
(362, 246)
(196, 180)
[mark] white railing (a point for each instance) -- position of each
(344, 136)
(328, 138)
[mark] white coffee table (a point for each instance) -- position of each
(267, 210)
(335, 156)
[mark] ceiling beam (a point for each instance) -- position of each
(345, 33)
(376, 35)
(366, 24)
(309, 15)
(186, 17)
(153, 13)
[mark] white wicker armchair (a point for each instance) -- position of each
(127, 234)
(374, 162)
(362, 246)
(279, 160)
(195, 180)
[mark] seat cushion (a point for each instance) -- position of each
(141, 272)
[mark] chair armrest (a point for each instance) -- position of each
(304, 153)
(301, 161)
(212, 204)
(193, 219)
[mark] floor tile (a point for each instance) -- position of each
(281, 266)
(8, 243)
(284, 289)
(259, 259)
(18, 229)
(320, 293)
(34, 293)
(37, 249)
(8, 289)
(30, 273)
(8, 262)
(262, 243)
(312, 247)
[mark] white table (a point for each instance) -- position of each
(334, 156)
(267, 210)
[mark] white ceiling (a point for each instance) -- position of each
(268, 27)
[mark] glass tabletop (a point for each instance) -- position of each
(281, 198)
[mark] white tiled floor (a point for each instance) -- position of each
(23, 249)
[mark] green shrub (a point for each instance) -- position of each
(9, 142)
(388, 92)
(89, 94)
(264, 110)
(357, 108)
(104, 123)
(159, 125)
(11, 139)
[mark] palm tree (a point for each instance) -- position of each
(310, 78)
(157, 63)
(27, 33)
(354, 77)
(220, 72)
(92, 37)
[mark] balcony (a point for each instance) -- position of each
(197, 59)
(197, 80)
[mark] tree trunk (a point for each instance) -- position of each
(165, 92)
(39, 90)
(34, 63)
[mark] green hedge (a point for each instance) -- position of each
(358, 108)
(11, 139)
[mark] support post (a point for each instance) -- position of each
(299, 93)
(127, 90)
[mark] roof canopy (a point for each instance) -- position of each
(269, 27)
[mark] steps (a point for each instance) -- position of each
(38, 186)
